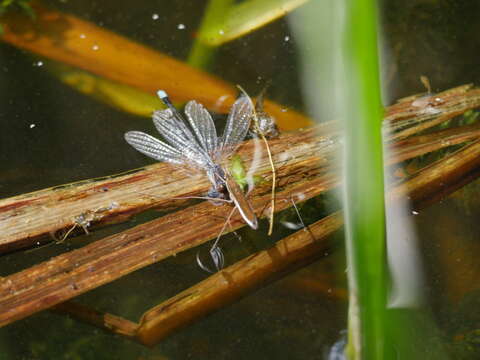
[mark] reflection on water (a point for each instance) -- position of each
(54, 134)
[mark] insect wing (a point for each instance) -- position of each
(153, 147)
(180, 137)
(238, 122)
(241, 202)
(202, 124)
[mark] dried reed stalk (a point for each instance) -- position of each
(28, 218)
(68, 275)
(433, 182)
(304, 170)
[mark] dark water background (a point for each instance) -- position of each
(76, 137)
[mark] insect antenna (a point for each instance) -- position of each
(261, 95)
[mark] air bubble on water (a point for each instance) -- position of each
(83, 36)
(95, 47)
(286, 38)
(414, 212)
(155, 16)
(38, 63)
(32, 126)
(221, 32)
(181, 26)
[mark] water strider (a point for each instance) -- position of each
(197, 146)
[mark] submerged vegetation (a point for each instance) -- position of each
(16, 5)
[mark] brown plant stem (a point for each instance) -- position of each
(71, 274)
(27, 218)
(68, 275)
(112, 323)
(293, 251)
(434, 182)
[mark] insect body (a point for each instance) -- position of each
(196, 145)
(265, 122)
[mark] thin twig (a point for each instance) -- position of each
(270, 159)
(274, 181)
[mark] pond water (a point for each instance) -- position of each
(54, 134)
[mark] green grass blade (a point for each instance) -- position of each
(246, 17)
(202, 51)
(363, 184)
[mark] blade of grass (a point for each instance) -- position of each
(202, 53)
(247, 17)
(363, 184)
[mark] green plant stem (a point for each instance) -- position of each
(364, 188)
(202, 53)
(224, 21)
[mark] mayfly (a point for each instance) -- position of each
(197, 146)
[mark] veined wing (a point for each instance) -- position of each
(238, 122)
(180, 137)
(154, 148)
(202, 124)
